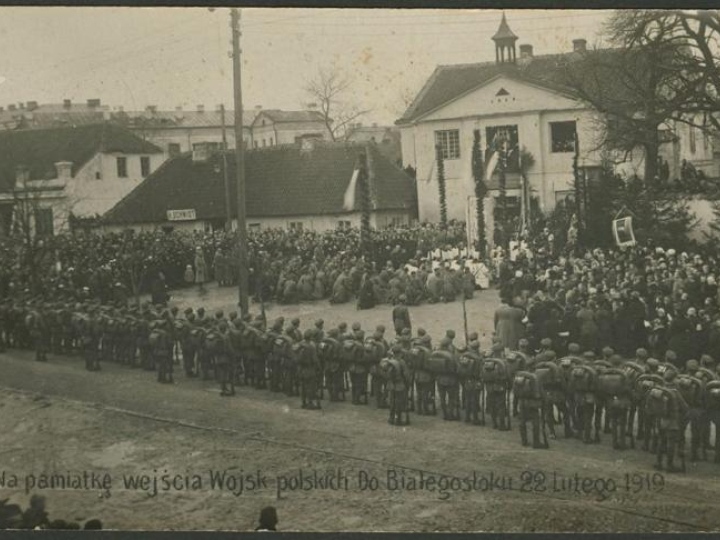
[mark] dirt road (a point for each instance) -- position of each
(58, 418)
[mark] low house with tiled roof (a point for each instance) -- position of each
(523, 99)
(50, 176)
(272, 127)
(287, 186)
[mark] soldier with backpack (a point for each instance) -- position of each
(36, 322)
(470, 374)
(517, 361)
(394, 370)
(308, 365)
(224, 361)
(443, 364)
(527, 386)
(161, 344)
(667, 406)
(550, 377)
(582, 385)
(424, 379)
(329, 349)
(374, 352)
(496, 384)
(692, 390)
(357, 359)
(712, 408)
(615, 390)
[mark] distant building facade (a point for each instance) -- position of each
(48, 177)
(273, 127)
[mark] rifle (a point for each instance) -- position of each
(482, 404)
(508, 406)
(543, 425)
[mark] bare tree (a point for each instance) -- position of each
(650, 78)
(329, 89)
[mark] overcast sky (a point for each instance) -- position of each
(134, 57)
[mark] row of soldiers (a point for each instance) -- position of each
(584, 394)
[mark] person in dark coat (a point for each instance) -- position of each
(401, 316)
(509, 328)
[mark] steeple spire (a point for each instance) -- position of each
(504, 40)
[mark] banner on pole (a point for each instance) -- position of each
(623, 231)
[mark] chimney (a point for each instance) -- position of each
(12, 107)
(92, 103)
(67, 103)
(179, 108)
(312, 106)
(258, 107)
(21, 105)
(63, 169)
(32, 105)
(152, 109)
(579, 45)
(526, 51)
(22, 174)
(201, 108)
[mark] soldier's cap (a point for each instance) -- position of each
(692, 365)
(450, 334)
(295, 322)
(421, 332)
(356, 326)
(497, 347)
(191, 316)
(546, 342)
(319, 323)
(425, 340)
(233, 315)
(445, 342)
(380, 328)
(174, 309)
(608, 351)
(280, 320)
(308, 335)
(641, 353)
(472, 336)
(201, 310)
(669, 375)
(188, 311)
(402, 298)
(219, 314)
(653, 362)
(574, 348)
(670, 356)
(523, 342)
(333, 332)
(474, 345)
(396, 348)
(550, 355)
(589, 355)
(615, 359)
(706, 360)
(405, 332)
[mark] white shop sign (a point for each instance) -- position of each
(181, 215)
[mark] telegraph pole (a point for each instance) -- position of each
(239, 163)
(228, 213)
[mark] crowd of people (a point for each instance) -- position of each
(36, 517)
(287, 266)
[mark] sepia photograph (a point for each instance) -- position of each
(360, 269)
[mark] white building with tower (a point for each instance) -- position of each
(519, 97)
